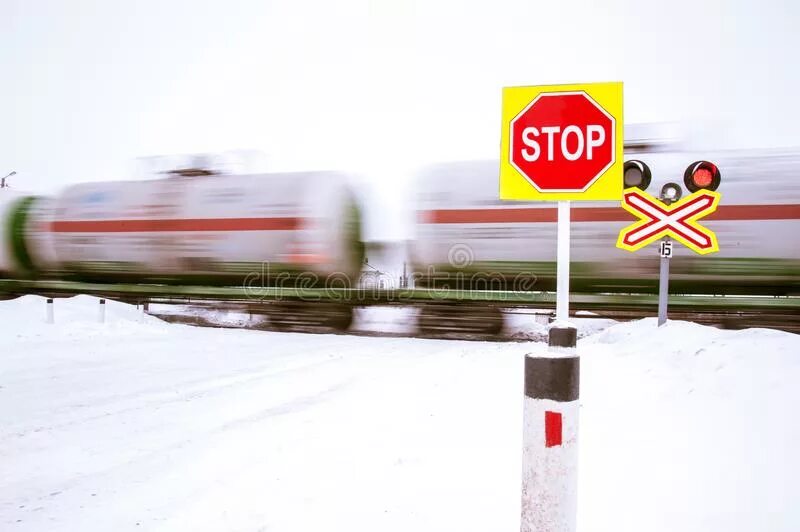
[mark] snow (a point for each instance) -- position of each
(137, 424)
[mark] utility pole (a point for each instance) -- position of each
(3, 180)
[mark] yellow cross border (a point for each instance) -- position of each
(678, 220)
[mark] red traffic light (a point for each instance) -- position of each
(636, 174)
(702, 175)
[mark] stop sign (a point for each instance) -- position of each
(562, 142)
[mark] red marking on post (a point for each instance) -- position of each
(552, 428)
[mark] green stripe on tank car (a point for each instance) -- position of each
(700, 266)
(16, 225)
(110, 266)
(542, 268)
(760, 266)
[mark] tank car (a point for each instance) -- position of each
(200, 228)
(9, 202)
(466, 237)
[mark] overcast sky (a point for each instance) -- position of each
(374, 86)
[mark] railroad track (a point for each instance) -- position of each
(725, 320)
(780, 312)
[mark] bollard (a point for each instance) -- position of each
(50, 314)
(102, 315)
(550, 436)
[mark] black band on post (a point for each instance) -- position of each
(562, 337)
(554, 378)
(49, 299)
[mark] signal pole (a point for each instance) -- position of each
(670, 193)
(665, 250)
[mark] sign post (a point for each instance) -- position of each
(559, 143)
(562, 262)
(665, 250)
(562, 143)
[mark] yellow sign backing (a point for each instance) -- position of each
(562, 142)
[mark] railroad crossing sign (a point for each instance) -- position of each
(678, 220)
(562, 142)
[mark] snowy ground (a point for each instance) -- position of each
(141, 425)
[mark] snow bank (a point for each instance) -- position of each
(687, 427)
(76, 316)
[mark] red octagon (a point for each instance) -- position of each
(562, 142)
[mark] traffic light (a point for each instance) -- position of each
(636, 174)
(701, 175)
(670, 193)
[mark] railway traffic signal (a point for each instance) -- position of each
(636, 174)
(702, 175)
(670, 193)
(669, 216)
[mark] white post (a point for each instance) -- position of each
(550, 436)
(50, 313)
(101, 317)
(562, 264)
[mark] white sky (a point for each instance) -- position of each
(374, 86)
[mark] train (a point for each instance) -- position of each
(194, 226)
(467, 239)
(464, 231)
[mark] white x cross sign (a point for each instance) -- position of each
(679, 220)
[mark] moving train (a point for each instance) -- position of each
(467, 239)
(463, 230)
(197, 227)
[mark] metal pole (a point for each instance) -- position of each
(663, 287)
(3, 181)
(562, 262)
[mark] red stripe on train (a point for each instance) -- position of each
(596, 214)
(185, 224)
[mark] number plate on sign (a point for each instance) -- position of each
(665, 248)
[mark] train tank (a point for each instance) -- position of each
(211, 229)
(467, 238)
(9, 205)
